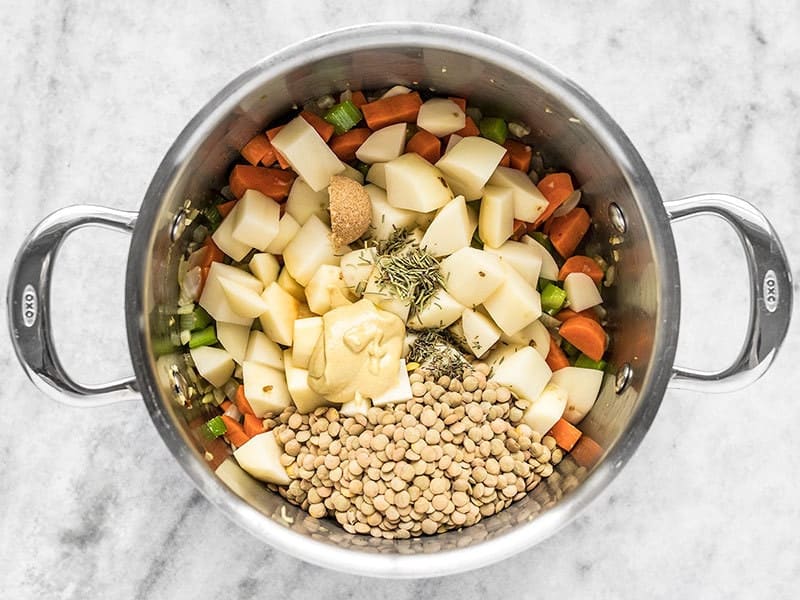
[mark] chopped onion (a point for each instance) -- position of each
(192, 282)
(571, 202)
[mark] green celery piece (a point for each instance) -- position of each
(204, 337)
(213, 428)
(585, 362)
(197, 319)
(494, 128)
(343, 116)
(569, 349)
(213, 216)
(553, 298)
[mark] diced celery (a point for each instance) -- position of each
(585, 362)
(343, 116)
(204, 337)
(494, 128)
(553, 298)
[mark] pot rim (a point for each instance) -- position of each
(493, 50)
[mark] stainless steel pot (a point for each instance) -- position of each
(632, 230)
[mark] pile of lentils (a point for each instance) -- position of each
(453, 454)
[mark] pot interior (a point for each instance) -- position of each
(566, 126)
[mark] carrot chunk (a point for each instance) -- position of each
(568, 313)
(565, 434)
(274, 183)
(566, 232)
(395, 109)
(519, 155)
(427, 145)
(469, 129)
(241, 402)
(506, 160)
(358, 98)
(271, 133)
(253, 425)
(586, 335)
(556, 188)
(344, 146)
(225, 208)
(256, 149)
(323, 128)
(582, 264)
(586, 452)
(234, 432)
(556, 359)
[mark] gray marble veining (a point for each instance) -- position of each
(92, 506)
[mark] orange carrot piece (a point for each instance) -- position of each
(226, 404)
(567, 313)
(213, 253)
(519, 154)
(235, 433)
(395, 109)
(271, 133)
(556, 359)
(256, 149)
(427, 145)
(586, 452)
(274, 183)
(582, 264)
(565, 434)
(520, 229)
(586, 335)
(469, 129)
(225, 208)
(506, 160)
(567, 231)
(324, 129)
(253, 425)
(358, 98)
(344, 146)
(461, 102)
(556, 188)
(241, 402)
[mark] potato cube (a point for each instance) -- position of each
(327, 289)
(278, 320)
(214, 365)
(523, 258)
(479, 332)
(260, 456)
(308, 250)
(441, 311)
(385, 217)
(400, 390)
(450, 229)
(234, 339)
(415, 184)
(524, 372)
(469, 164)
(534, 335)
(307, 153)
(377, 175)
(546, 410)
(514, 304)
(441, 117)
(256, 220)
(223, 237)
(288, 283)
(383, 145)
(357, 267)
(582, 386)
(261, 349)
(581, 292)
(305, 399)
(214, 299)
(265, 388)
(529, 202)
(265, 267)
(496, 220)
(244, 301)
(304, 202)
(306, 335)
(549, 269)
(287, 229)
(471, 275)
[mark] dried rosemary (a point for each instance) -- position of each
(436, 352)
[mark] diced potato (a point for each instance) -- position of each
(496, 219)
(549, 268)
(582, 386)
(244, 301)
(357, 406)
(214, 365)
(377, 175)
(357, 267)
(581, 292)
(500, 352)
(327, 290)
(529, 202)
(260, 456)
(287, 229)
(441, 117)
(524, 372)
(223, 237)
(234, 339)
(213, 298)
(450, 229)
(352, 173)
(278, 320)
(306, 335)
(514, 304)
(256, 220)
(265, 267)
(523, 258)
(396, 90)
(385, 217)
(308, 250)
(303, 312)
(265, 388)
(479, 332)
(288, 283)
(471, 275)
(441, 311)
(400, 390)
(305, 399)
(307, 153)
(303, 202)
(415, 184)
(535, 335)
(383, 145)
(546, 410)
(452, 141)
(262, 350)
(469, 164)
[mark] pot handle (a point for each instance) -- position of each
(29, 306)
(770, 292)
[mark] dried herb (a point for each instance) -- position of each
(435, 351)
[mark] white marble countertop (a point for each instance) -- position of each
(92, 504)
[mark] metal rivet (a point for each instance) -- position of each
(178, 226)
(617, 218)
(624, 374)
